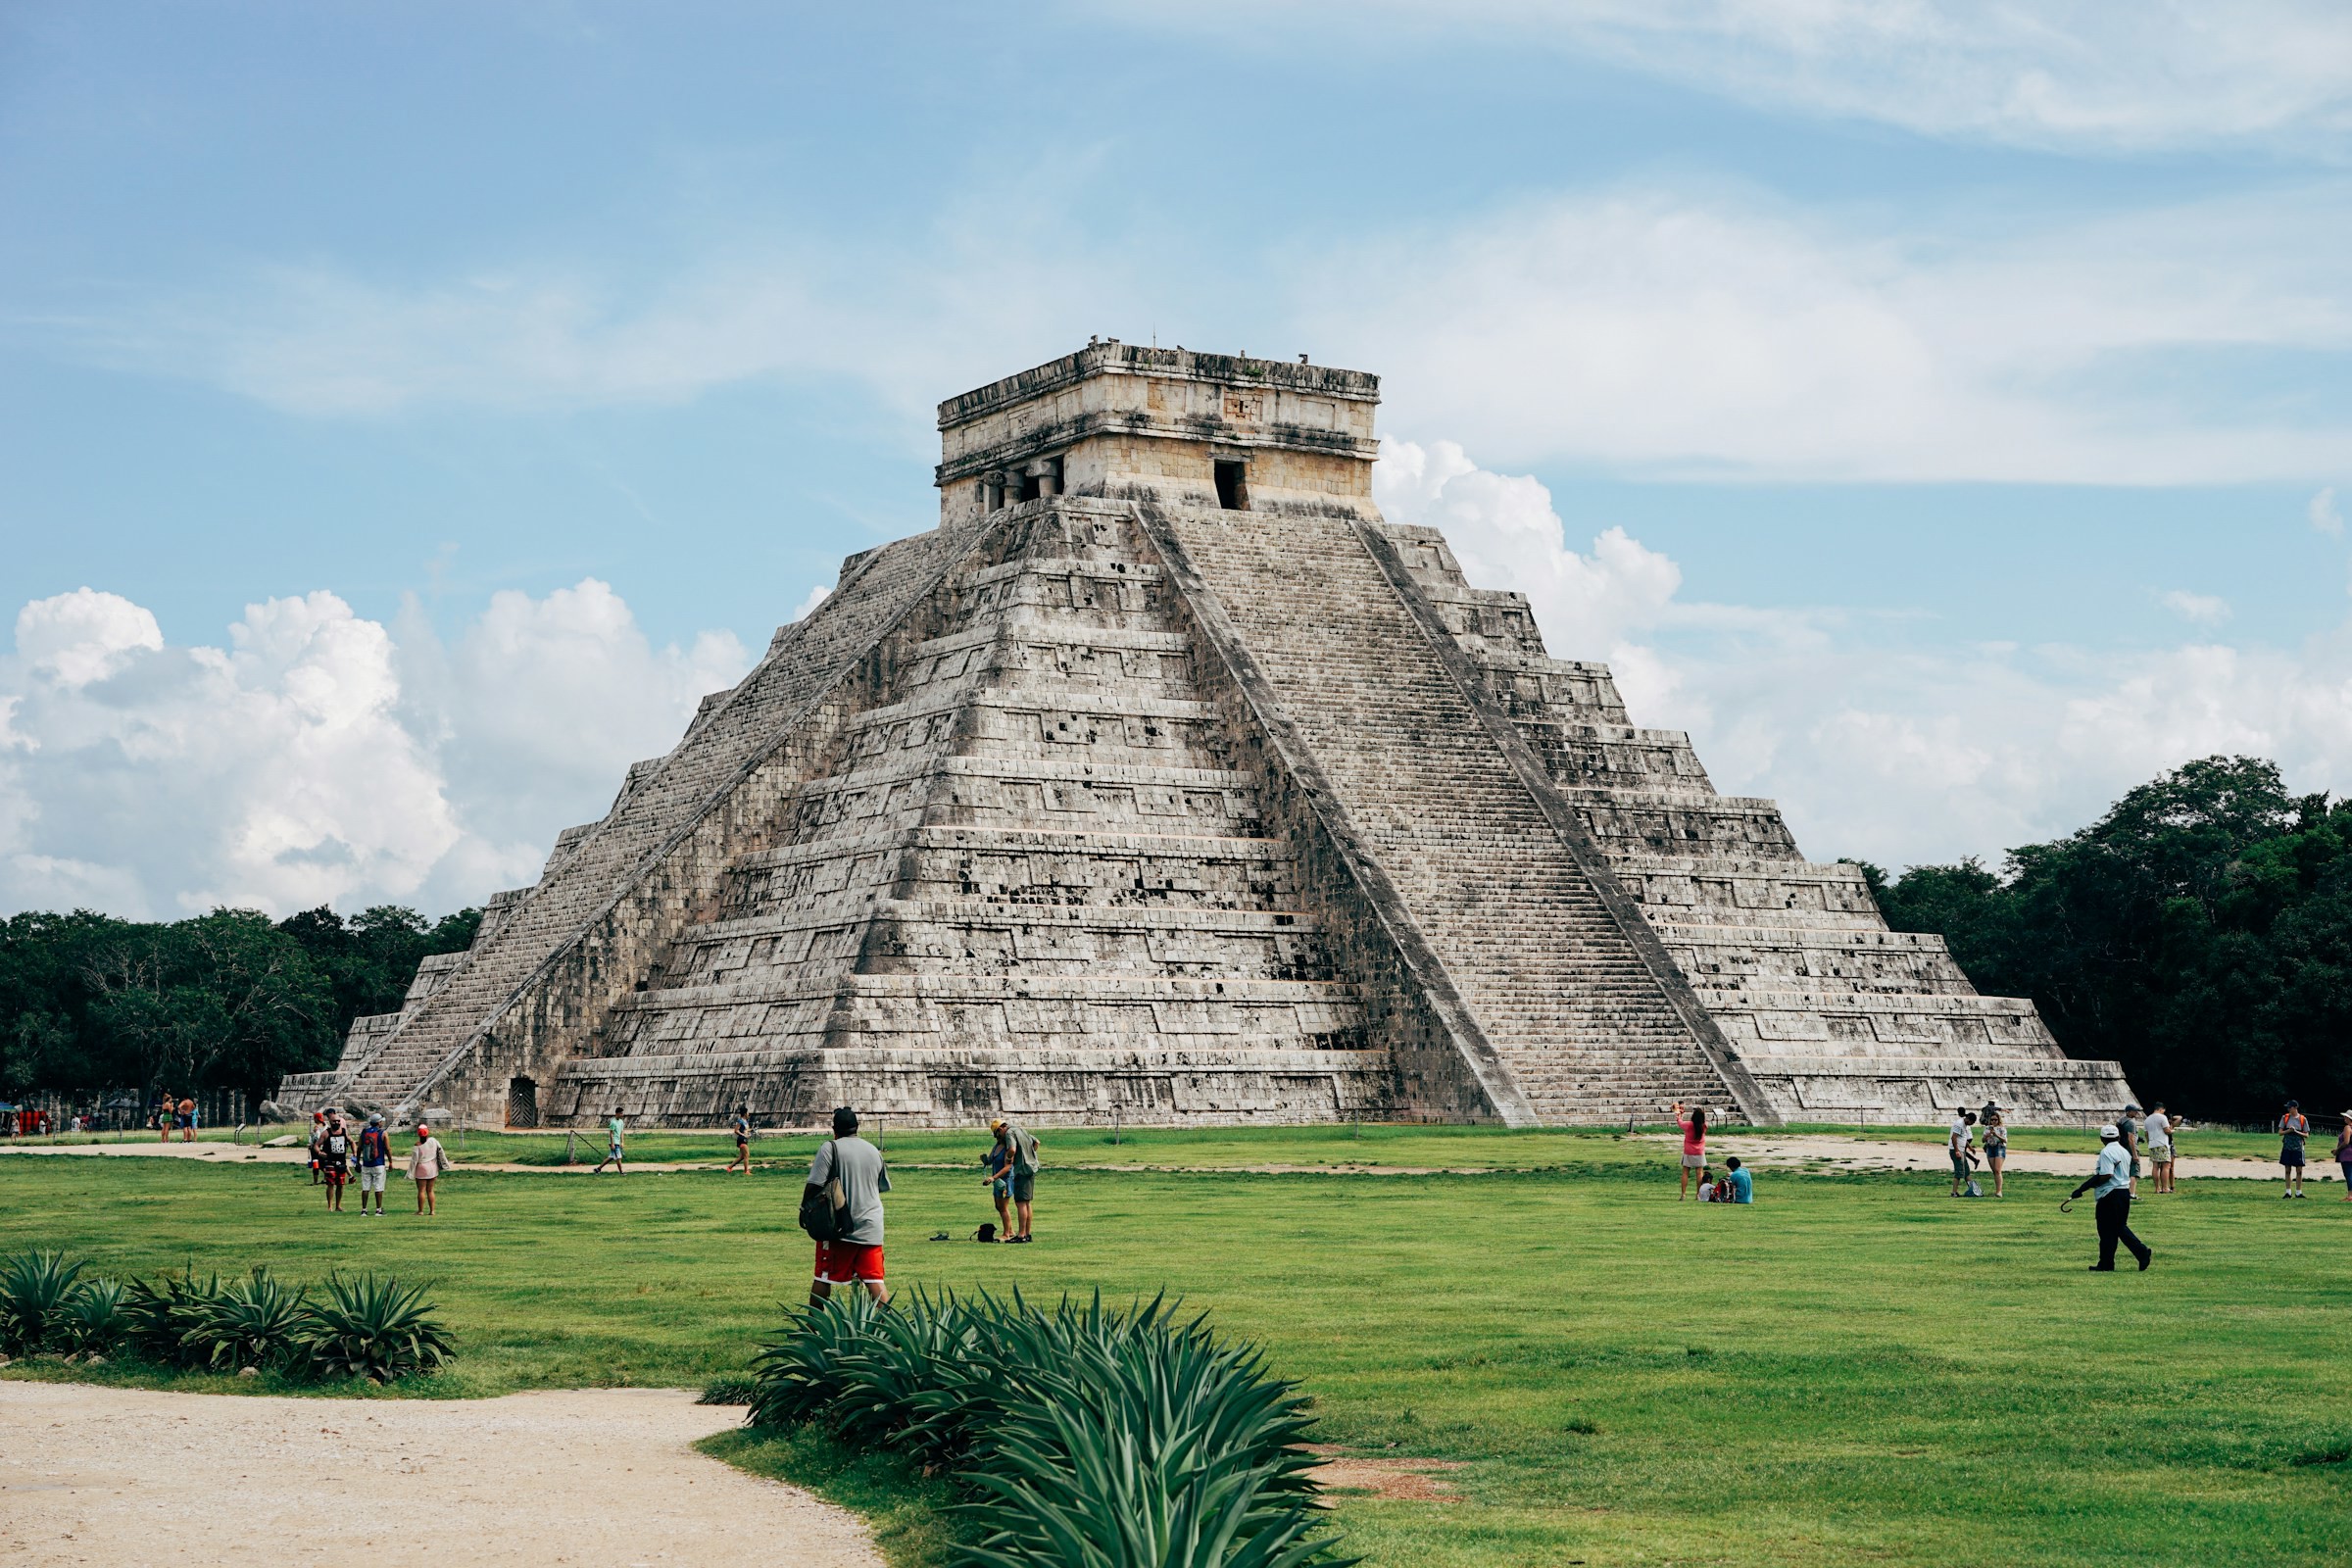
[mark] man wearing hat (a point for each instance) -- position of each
(2113, 1182)
(375, 1162)
(2128, 1131)
(2293, 1128)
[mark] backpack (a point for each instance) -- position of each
(825, 1212)
(986, 1233)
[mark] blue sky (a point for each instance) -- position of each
(405, 411)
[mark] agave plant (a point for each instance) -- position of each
(34, 1288)
(1089, 1435)
(253, 1322)
(162, 1316)
(91, 1321)
(368, 1326)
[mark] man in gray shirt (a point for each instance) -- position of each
(855, 1257)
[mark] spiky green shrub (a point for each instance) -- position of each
(729, 1387)
(369, 1326)
(162, 1315)
(1085, 1436)
(252, 1322)
(34, 1288)
(91, 1321)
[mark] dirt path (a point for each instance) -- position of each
(1889, 1153)
(600, 1477)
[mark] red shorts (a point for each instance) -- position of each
(845, 1262)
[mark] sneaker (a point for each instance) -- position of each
(2145, 1260)
(2102, 1268)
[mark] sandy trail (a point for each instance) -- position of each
(1887, 1153)
(592, 1476)
(1837, 1150)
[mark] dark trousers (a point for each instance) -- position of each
(2115, 1225)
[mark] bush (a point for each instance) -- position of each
(34, 1288)
(729, 1387)
(161, 1316)
(1085, 1436)
(91, 1322)
(374, 1328)
(249, 1322)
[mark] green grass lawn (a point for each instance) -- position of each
(1856, 1369)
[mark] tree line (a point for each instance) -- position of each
(2200, 933)
(229, 1000)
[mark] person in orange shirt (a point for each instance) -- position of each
(1694, 1144)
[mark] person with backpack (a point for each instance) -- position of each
(996, 1169)
(1021, 1172)
(841, 1209)
(334, 1161)
(2293, 1128)
(375, 1162)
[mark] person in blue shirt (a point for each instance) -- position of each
(2113, 1183)
(1742, 1186)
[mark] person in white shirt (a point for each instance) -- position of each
(1960, 1144)
(2160, 1147)
(2113, 1183)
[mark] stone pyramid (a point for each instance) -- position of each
(1163, 780)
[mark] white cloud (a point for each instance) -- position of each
(815, 596)
(1720, 336)
(315, 758)
(2205, 610)
(2066, 74)
(1875, 742)
(2324, 516)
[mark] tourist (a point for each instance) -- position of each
(1995, 1122)
(2130, 1134)
(375, 1162)
(1023, 1171)
(1694, 1144)
(428, 1163)
(2293, 1128)
(165, 1110)
(334, 1161)
(855, 1257)
(743, 1142)
(1706, 1185)
(996, 1176)
(2113, 1180)
(188, 1121)
(2160, 1147)
(317, 1136)
(2343, 1154)
(613, 1130)
(1742, 1186)
(1959, 1142)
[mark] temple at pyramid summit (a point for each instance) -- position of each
(1164, 781)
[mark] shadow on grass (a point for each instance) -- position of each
(910, 1514)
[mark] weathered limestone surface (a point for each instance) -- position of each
(1164, 780)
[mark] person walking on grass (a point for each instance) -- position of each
(2130, 1130)
(1959, 1142)
(613, 1130)
(2160, 1147)
(743, 1142)
(428, 1163)
(849, 1173)
(1694, 1144)
(996, 1167)
(2293, 1128)
(2113, 1183)
(335, 1159)
(318, 1137)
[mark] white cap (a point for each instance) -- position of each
(2110, 1132)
